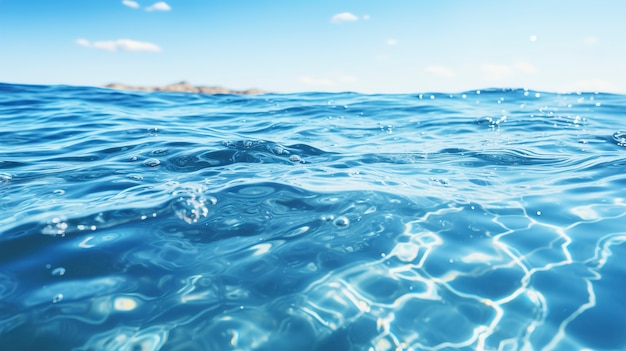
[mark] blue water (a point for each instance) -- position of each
(484, 220)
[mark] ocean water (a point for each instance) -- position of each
(483, 220)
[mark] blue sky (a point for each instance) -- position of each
(369, 46)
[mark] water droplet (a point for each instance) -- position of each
(190, 207)
(59, 271)
(151, 162)
(538, 213)
(295, 158)
(135, 177)
(57, 298)
(620, 138)
(341, 222)
(55, 227)
(277, 150)
(159, 152)
(59, 192)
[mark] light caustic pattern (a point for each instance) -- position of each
(462, 306)
(458, 278)
(417, 298)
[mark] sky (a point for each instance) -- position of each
(368, 46)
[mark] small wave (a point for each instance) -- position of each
(481, 219)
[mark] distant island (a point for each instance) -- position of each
(185, 87)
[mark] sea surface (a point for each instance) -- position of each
(481, 220)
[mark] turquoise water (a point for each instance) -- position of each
(484, 220)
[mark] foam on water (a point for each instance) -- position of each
(484, 220)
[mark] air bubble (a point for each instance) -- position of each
(56, 227)
(57, 298)
(620, 138)
(341, 222)
(295, 158)
(151, 162)
(58, 271)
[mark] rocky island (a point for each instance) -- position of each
(185, 87)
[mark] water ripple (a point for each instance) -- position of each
(488, 219)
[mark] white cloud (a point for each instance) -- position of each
(497, 71)
(344, 17)
(366, 17)
(533, 38)
(82, 42)
(159, 6)
(392, 41)
(590, 40)
(130, 3)
(119, 45)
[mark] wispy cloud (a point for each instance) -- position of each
(344, 17)
(366, 17)
(496, 72)
(130, 3)
(119, 45)
(392, 41)
(159, 6)
(590, 40)
(440, 71)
